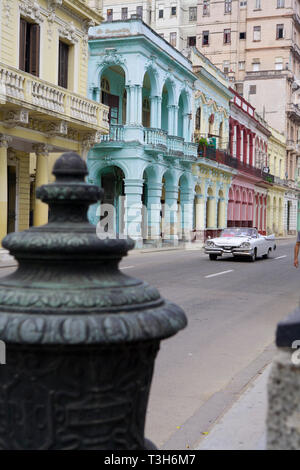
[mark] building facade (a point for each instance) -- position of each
(175, 21)
(211, 111)
(43, 108)
(257, 44)
(145, 163)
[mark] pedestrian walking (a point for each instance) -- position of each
(296, 251)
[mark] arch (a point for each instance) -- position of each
(113, 93)
(169, 86)
(183, 111)
(152, 74)
(110, 212)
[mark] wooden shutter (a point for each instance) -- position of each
(63, 62)
(22, 49)
(34, 51)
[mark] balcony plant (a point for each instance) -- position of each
(202, 145)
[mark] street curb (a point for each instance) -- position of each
(210, 412)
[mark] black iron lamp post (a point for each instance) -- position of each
(81, 337)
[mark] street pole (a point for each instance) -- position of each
(81, 337)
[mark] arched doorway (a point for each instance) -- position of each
(113, 94)
(112, 207)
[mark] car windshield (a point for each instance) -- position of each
(238, 232)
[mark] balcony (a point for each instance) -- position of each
(293, 112)
(175, 146)
(116, 134)
(250, 74)
(224, 158)
(296, 19)
(155, 141)
(47, 102)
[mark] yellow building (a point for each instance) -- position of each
(43, 108)
(275, 199)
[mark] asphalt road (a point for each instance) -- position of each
(232, 308)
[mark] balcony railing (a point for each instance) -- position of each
(175, 145)
(116, 134)
(23, 88)
(293, 110)
(191, 150)
(222, 157)
(155, 137)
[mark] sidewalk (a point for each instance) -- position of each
(243, 425)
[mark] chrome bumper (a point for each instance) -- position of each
(234, 252)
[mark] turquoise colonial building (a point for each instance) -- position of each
(213, 177)
(145, 164)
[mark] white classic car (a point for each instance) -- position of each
(240, 242)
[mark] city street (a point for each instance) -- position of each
(232, 308)
(232, 320)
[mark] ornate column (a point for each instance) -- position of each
(252, 136)
(153, 112)
(245, 143)
(154, 210)
(4, 141)
(139, 105)
(40, 216)
(238, 142)
(133, 209)
(170, 213)
(175, 120)
(128, 104)
(211, 208)
(200, 212)
(158, 104)
(170, 119)
(187, 212)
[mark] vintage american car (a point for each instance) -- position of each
(240, 241)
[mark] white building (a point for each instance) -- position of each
(174, 20)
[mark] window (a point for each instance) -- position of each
(124, 13)
(252, 90)
(160, 13)
(256, 65)
(227, 36)
(205, 38)
(63, 62)
(280, 3)
(228, 6)
(239, 88)
(191, 41)
(173, 11)
(256, 33)
(279, 31)
(257, 4)
(173, 39)
(242, 65)
(139, 11)
(192, 13)
(109, 14)
(278, 63)
(206, 7)
(29, 54)
(226, 66)
(243, 4)
(198, 119)
(243, 35)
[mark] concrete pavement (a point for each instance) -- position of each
(243, 425)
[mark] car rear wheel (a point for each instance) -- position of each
(213, 257)
(266, 255)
